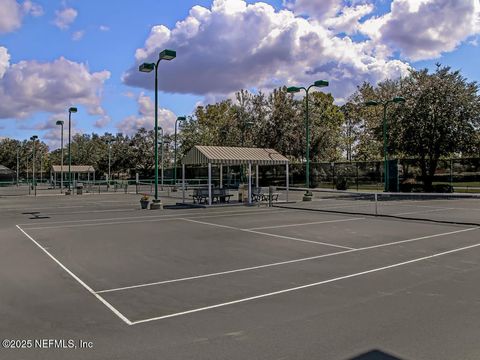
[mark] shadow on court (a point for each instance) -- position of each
(376, 355)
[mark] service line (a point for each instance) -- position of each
(282, 262)
(297, 288)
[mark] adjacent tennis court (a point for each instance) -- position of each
(214, 282)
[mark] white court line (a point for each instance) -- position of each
(88, 288)
(307, 285)
(283, 262)
(91, 211)
(302, 224)
(268, 234)
(118, 219)
(27, 208)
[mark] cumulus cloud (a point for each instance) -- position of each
(12, 13)
(318, 9)
(10, 16)
(34, 9)
(64, 18)
(235, 45)
(146, 118)
(30, 86)
(4, 61)
(102, 122)
(424, 29)
(78, 35)
(348, 21)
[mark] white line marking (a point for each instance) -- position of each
(150, 219)
(267, 234)
(283, 262)
(88, 288)
(256, 297)
(303, 224)
(118, 219)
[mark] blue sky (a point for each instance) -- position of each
(55, 54)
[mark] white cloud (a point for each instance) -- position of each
(10, 16)
(234, 45)
(348, 21)
(146, 118)
(102, 122)
(103, 28)
(78, 35)
(318, 9)
(65, 17)
(29, 7)
(30, 86)
(424, 29)
(4, 61)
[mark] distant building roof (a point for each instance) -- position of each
(202, 155)
(74, 168)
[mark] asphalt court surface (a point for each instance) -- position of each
(234, 273)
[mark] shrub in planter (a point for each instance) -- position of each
(144, 202)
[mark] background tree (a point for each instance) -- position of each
(440, 118)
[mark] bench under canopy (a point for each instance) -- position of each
(227, 156)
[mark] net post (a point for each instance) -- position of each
(270, 195)
(376, 204)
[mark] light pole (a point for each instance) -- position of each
(148, 67)
(60, 123)
(70, 111)
(395, 100)
(18, 163)
(294, 89)
(109, 143)
(34, 138)
(180, 118)
(161, 157)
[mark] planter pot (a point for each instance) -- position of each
(156, 205)
(144, 204)
(307, 196)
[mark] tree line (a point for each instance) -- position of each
(439, 118)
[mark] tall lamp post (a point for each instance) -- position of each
(109, 143)
(180, 118)
(395, 100)
(161, 157)
(70, 111)
(60, 123)
(148, 67)
(34, 138)
(18, 163)
(294, 89)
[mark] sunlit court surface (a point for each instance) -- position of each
(237, 282)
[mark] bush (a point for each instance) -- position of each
(442, 188)
(341, 183)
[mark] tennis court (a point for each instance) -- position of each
(236, 282)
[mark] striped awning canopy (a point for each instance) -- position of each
(74, 168)
(226, 155)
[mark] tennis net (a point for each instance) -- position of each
(444, 208)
